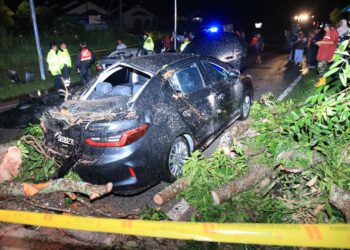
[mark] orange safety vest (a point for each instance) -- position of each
(85, 54)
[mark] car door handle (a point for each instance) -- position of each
(221, 97)
(187, 113)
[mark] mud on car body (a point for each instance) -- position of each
(136, 123)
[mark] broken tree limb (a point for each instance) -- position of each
(228, 137)
(254, 176)
(10, 162)
(340, 198)
(55, 209)
(59, 185)
(170, 191)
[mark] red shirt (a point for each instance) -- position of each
(326, 51)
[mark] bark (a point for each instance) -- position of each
(59, 185)
(170, 191)
(340, 198)
(253, 177)
(10, 162)
(227, 138)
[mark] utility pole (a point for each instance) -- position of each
(37, 40)
(121, 15)
(175, 23)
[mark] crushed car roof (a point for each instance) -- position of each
(157, 62)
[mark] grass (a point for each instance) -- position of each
(304, 88)
(20, 54)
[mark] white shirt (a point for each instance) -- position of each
(121, 46)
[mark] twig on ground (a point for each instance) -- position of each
(62, 210)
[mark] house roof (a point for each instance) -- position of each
(135, 10)
(76, 8)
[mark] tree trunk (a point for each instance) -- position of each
(170, 191)
(59, 185)
(10, 162)
(340, 198)
(254, 176)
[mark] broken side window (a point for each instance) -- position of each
(124, 81)
(187, 80)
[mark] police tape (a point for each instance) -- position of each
(104, 50)
(307, 235)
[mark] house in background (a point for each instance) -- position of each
(138, 18)
(91, 15)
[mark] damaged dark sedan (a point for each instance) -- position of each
(138, 121)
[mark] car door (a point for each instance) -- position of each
(195, 100)
(222, 85)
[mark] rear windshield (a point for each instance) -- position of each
(123, 81)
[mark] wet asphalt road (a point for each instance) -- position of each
(274, 75)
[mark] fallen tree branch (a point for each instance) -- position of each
(170, 191)
(55, 209)
(96, 210)
(340, 198)
(59, 185)
(254, 176)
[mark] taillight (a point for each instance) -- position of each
(122, 140)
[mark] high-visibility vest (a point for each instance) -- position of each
(148, 44)
(85, 54)
(54, 63)
(183, 46)
(64, 58)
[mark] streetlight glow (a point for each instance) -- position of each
(303, 17)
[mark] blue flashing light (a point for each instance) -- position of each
(213, 29)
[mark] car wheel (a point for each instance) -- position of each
(179, 151)
(245, 106)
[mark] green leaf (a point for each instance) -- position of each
(343, 79)
(334, 65)
(331, 72)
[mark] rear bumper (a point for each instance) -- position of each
(131, 169)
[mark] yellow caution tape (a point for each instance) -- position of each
(308, 235)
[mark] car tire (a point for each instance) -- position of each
(245, 106)
(177, 154)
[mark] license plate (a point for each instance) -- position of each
(65, 140)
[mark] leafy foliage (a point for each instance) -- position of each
(35, 166)
(307, 143)
(6, 16)
(153, 214)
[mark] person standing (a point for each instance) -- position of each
(66, 63)
(299, 49)
(148, 45)
(343, 30)
(186, 42)
(166, 43)
(54, 66)
(120, 45)
(327, 47)
(84, 61)
(257, 45)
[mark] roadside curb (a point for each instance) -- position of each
(290, 88)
